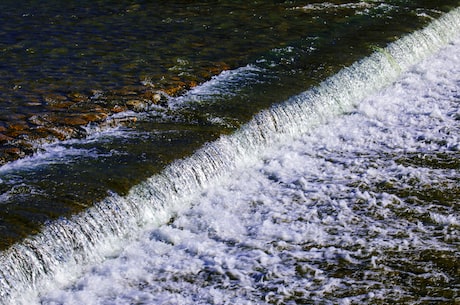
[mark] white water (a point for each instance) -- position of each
(262, 216)
(227, 83)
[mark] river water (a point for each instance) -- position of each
(303, 160)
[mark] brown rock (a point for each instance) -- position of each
(17, 133)
(51, 98)
(219, 67)
(18, 126)
(5, 138)
(16, 117)
(13, 151)
(192, 84)
(60, 105)
(56, 102)
(39, 119)
(75, 120)
(154, 97)
(120, 121)
(39, 133)
(66, 132)
(216, 69)
(136, 105)
(118, 109)
(94, 117)
(78, 97)
(173, 91)
(47, 134)
(100, 110)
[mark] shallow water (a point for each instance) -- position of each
(239, 207)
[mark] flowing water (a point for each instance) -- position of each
(320, 167)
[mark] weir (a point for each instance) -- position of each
(102, 230)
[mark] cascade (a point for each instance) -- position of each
(100, 231)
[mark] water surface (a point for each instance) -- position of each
(84, 186)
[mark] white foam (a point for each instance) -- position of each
(227, 83)
(52, 154)
(328, 6)
(282, 227)
(71, 150)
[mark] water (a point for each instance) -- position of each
(284, 49)
(355, 200)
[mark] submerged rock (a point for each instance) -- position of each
(118, 109)
(5, 138)
(61, 116)
(137, 105)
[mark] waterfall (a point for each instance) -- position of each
(101, 231)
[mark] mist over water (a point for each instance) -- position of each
(344, 193)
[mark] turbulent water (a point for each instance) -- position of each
(322, 167)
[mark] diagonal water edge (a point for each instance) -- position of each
(101, 231)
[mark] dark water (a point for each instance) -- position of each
(60, 59)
